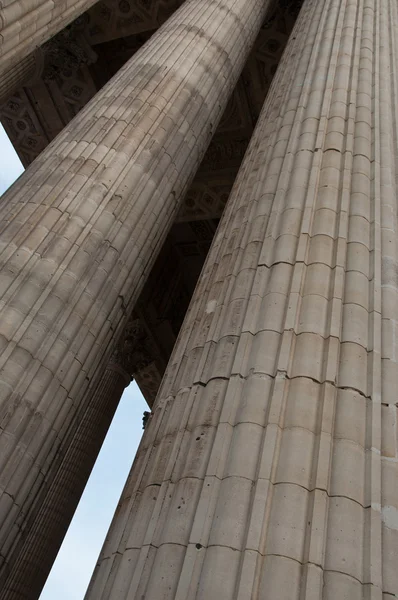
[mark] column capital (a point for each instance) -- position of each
(66, 51)
(29, 24)
(134, 351)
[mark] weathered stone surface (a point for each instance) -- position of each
(269, 467)
(57, 505)
(77, 456)
(81, 229)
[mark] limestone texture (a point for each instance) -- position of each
(81, 229)
(269, 469)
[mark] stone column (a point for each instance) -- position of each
(27, 24)
(55, 512)
(269, 469)
(81, 229)
(77, 456)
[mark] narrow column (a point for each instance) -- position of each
(69, 474)
(27, 24)
(81, 229)
(45, 536)
(77, 456)
(270, 467)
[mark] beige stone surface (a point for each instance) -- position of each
(81, 229)
(269, 468)
(70, 472)
(76, 458)
(26, 24)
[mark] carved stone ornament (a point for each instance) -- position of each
(134, 352)
(66, 52)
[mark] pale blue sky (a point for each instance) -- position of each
(76, 559)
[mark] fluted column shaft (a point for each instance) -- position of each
(27, 24)
(57, 508)
(270, 467)
(81, 229)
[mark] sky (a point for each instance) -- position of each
(76, 559)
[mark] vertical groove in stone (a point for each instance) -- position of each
(269, 468)
(80, 230)
(27, 24)
(385, 453)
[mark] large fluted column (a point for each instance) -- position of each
(26, 24)
(80, 230)
(270, 467)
